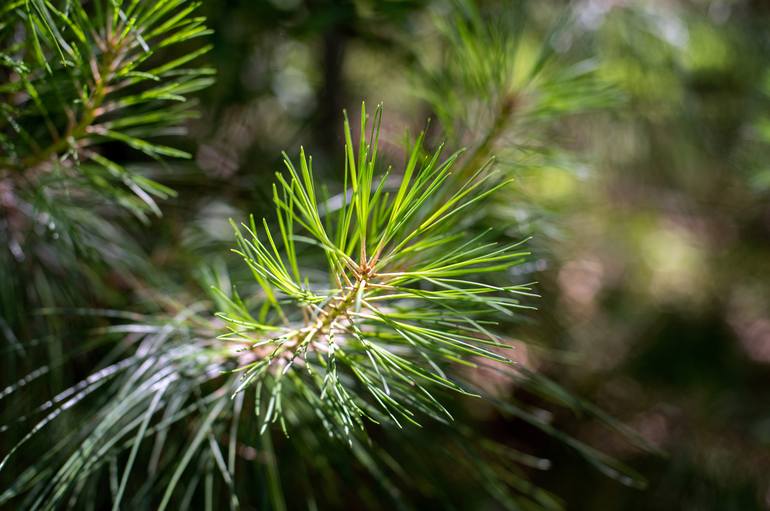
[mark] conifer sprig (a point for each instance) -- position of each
(78, 75)
(87, 90)
(406, 295)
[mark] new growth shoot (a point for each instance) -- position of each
(406, 294)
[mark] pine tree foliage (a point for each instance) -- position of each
(82, 75)
(403, 295)
(508, 87)
(365, 310)
(408, 299)
(77, 76)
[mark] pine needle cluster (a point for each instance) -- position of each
(405, 293)
(84, 74)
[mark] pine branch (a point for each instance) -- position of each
(104, 73)
(92, 76)
(504, 94)
(408, 291)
